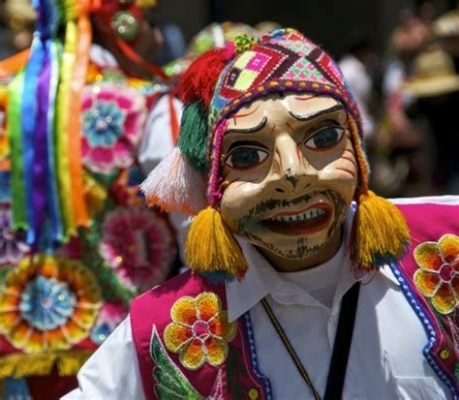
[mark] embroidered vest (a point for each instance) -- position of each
(187, 349)
(429, 278)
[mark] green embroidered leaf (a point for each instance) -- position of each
(171, 384)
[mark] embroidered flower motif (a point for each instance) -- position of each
(12, 244)
(113, 118)
(48, 304)
(139, 245)
(438, 276)
(199, 331)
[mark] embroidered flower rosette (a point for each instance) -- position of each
(199, 331)
(438, 275)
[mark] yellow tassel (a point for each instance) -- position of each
(211, 248)
(381, 232)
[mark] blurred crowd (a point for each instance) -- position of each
(408, 97)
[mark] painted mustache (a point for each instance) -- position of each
(305, 221)
(271, 204)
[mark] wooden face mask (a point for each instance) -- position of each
(289, 173)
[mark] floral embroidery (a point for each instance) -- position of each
(199, 331)
(438, 276)
(48, 304)
(12, 244)
(138, 245)
(113, 119)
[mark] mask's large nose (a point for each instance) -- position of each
(291, 172)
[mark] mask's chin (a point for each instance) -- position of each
(299, 254)
(298, 243)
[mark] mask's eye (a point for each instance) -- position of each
(325, 138)
(246, 157)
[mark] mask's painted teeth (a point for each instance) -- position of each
(307, 215)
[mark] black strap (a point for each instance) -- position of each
(342, 345)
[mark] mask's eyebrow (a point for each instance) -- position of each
(255, 128)
(317, 114)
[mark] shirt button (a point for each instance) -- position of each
(253, 394)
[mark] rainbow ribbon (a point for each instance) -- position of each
(73, 70)
(14, 129)
(31, 131)
(52, 190)
(44, 126)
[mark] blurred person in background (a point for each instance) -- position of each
(402, 145)
(446, 30)
(357, 66)
(434, 86)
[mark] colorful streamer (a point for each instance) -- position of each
(84, 40)
(14, 129)
(29, 123)
(52, 189)
(61, 135)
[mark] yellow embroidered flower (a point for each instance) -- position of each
(199, 331)
(438, 276)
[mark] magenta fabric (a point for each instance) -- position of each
(429, 222)
(153, 308)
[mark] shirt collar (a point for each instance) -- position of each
(262, 279)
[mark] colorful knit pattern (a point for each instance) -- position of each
(282, 61)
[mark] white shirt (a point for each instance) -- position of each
(385, 361)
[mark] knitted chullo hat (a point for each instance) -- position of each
(215, 86)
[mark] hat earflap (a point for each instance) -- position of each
(380, 232)
(211, 248)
